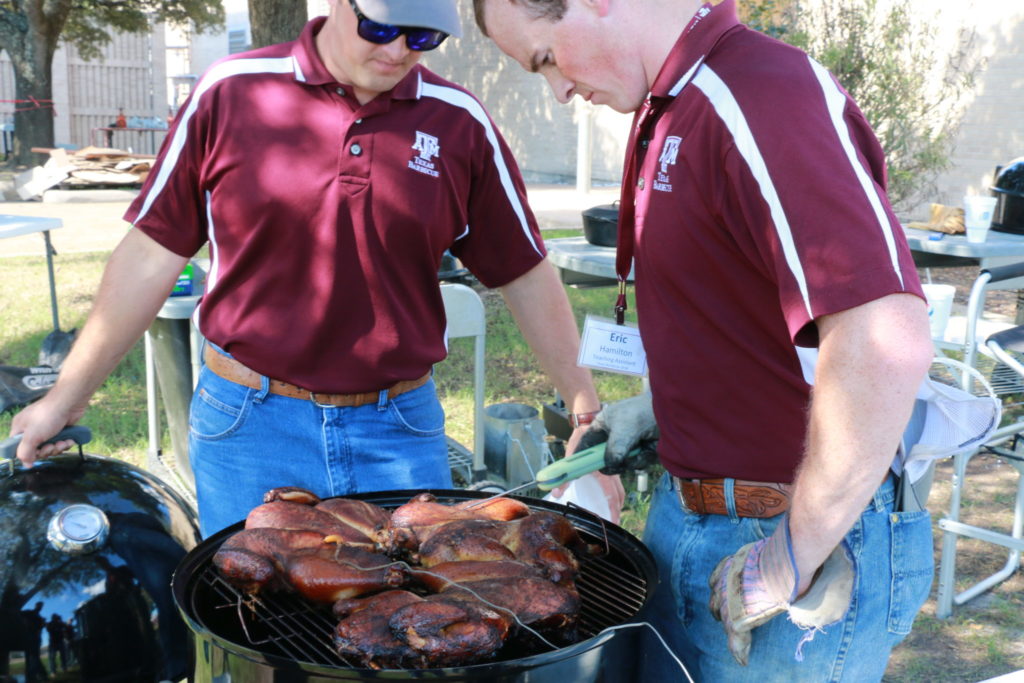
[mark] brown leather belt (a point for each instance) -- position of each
(233, 371)
(753, 498)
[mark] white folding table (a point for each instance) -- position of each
(14, 226)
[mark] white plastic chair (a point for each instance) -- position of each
(466, 318)
(999, 363)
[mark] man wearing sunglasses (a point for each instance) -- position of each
(768, 262)
(329, 176)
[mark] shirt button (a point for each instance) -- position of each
(356, 149)
(644, 143)
(640, 183)
(340, 91)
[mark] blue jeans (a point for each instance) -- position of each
(893, 557)
(243, 442)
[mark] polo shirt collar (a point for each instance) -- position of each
(697, 40)
(310, 68)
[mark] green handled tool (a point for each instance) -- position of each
(561, 471)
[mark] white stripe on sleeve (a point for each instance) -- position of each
(835, 100)
(234, 67)
(728, 110)
(460, 99)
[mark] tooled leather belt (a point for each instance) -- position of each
(234, 371)
(753, 498)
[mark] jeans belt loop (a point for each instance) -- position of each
(730, 499)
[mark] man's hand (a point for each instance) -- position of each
(37, 423)
(626, 425)
(760, 581)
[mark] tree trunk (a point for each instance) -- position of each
(30, 44)
(33, 123)
(276, 21)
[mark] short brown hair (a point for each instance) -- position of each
(539, 9)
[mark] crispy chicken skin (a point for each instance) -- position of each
(251, 559)
(541, 539)
(365, 635)
(536, 602)
(451, 629)
(291, 494)
(439, 577)
(413, 523)
(281, 559)
(366, 518)
(283, 515)
(332, 572)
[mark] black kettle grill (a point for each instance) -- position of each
(89, 546)
(281, 637)
(1008, 189)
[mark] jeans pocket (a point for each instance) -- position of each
(218, 408)
(418, 412)
(913, 567)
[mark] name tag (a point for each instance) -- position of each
(611, 347)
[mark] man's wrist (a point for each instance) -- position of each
(577, 420)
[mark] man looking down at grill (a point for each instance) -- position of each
(768, 261)
(329, 175)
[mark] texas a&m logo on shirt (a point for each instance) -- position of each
(428, 148)
(669, 152)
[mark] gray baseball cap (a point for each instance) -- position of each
(440, 15)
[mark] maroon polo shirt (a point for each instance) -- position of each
(327, 220)
(760, 205)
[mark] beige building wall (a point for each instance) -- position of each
(541, 132)
(992, 129)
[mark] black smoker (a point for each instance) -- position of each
(284, 638)
(87, 548)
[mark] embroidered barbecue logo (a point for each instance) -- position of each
(669, 152)
(428, 148)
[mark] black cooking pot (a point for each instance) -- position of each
(1008, 189)
(601, 224)
(89, 545)
(281, 637)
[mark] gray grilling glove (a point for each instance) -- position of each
(631, 434)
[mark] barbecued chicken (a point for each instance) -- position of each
(536, 602)
(332, 572)
(413, 523)
(398, 628)
(251, 558)
(441, 576)
(364, 634)
(291, 494)
(451, 629)
(365, 517)
(284, 515)
(541, 539)
(281, 559)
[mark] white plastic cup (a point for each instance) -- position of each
(940, 304)
(978, 216)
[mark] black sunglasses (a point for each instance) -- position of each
(419, 39)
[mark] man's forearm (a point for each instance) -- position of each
(541, 309)
(871, 361)
(135, 283)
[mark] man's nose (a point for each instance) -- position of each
(397, 49)
(563, 88)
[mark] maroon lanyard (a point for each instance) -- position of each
(627, 207)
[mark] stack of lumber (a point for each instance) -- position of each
(89, 167)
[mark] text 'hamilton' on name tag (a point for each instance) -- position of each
(611, 347)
